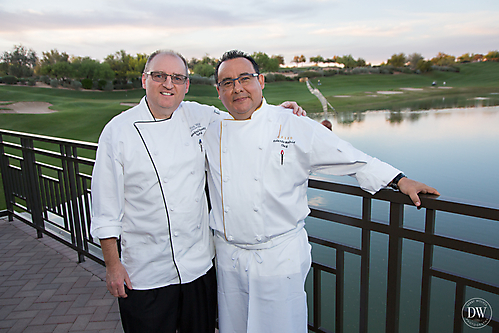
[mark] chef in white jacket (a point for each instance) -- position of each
(148, 188)
(260, 159)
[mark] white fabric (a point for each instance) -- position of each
(262, 290)
(129, 202)
(261, 190)
(258, 178)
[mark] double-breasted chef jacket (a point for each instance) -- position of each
(259, 170)
(148, 187)
(258, 178)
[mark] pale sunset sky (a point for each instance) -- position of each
(372, 30)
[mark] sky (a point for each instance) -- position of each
(372, 30)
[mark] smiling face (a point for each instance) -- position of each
(164, 98)
(241, 100)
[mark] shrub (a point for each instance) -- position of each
(330, 72)
(54, 83)
(9, 79)
(310, 74)
(31, 82)
(137, 83)
(101, 84)
(280, 77)
(45, 79)
(87, 83)
(109, 86)
(198, 79)
(360, 70)
(122, 86)
(445, 68)
(407, 70)
(66, 83)
(76, 85)
(389, 69)
(269, 78)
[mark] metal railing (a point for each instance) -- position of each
(47, 185)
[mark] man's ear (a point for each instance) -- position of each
(261, 80)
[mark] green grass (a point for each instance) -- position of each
(478, 79)
(82, 114)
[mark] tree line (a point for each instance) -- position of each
(121, 70)
(414, 60)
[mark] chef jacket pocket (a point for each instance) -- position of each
(285, 170)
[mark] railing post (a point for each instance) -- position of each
(68, 154)
(424, 321)
(394, 268)
(6, 180)
(30, 175)
(317, 298)
(340, 289)
(364, 264)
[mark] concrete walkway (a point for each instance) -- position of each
(44, 289)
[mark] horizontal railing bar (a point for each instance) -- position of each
(335, 245)
(428, 201)
(15, 157)
(420, 236)
(324, 268)
(12, 145)
(455, 277)
(74, 247)
(37, 137)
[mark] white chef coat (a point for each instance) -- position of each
(259, 170)
(258, 178)
(142, 166)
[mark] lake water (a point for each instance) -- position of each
(454, 150)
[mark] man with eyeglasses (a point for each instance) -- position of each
(259, 164)
(148, 190)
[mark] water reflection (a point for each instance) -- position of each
(411, 110)
(454, 150)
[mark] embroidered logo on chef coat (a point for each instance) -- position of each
(284, 140)
(197, 129)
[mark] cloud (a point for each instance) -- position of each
(362, 28)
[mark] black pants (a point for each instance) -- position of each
(188, 308)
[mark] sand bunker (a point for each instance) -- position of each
(389, 92)
(412, 89)
(128, 104)
(26, 107)
(342, 96)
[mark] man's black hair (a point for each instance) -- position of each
(233, 54)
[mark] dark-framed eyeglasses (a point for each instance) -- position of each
(161, 77)
(244, 79)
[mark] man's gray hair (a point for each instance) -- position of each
(166, 52)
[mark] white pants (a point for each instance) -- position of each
(263, 290)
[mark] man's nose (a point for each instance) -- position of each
(237, 86)
(168, 82)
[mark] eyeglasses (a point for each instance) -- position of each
(244, 79)
(161, 77)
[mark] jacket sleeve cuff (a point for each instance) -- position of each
(106, 232)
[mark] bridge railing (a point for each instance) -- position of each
(46, 184)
